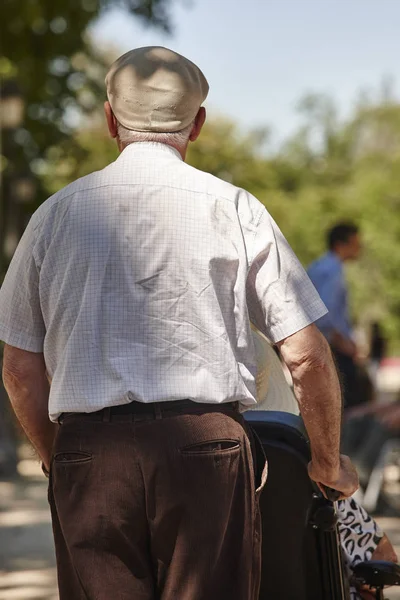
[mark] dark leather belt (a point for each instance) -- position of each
(157, 408)
(139, 408)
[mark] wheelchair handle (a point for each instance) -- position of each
(331, 494)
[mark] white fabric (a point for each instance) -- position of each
(273, 390)
(137, 283)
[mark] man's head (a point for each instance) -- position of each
(155, 94)
(344, 241)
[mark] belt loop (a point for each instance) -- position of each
(107, 414)
(157, 410)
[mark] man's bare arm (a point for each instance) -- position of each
(24, 377)
(317, 390)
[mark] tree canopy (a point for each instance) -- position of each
(47, 52)
(48, 60)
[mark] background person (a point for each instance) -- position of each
(327, 275)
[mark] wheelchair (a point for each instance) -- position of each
(301, 553)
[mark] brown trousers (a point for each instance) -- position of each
(161, 505)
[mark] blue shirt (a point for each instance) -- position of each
(327, 275)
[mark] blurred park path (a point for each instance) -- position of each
(27, 561)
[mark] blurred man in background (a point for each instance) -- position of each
(327, 274)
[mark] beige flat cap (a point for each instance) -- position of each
(155, 89)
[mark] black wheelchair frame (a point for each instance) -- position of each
(301, 554)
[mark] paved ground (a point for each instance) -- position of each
(27, 564)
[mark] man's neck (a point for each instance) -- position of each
(181, 149)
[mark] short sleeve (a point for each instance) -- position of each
(21, 320)
(281, 299)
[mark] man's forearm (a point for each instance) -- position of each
(318, 393)
(24, 377)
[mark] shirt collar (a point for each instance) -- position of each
(137, 148)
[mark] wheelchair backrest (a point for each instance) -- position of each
(300, 559)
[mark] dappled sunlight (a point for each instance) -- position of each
(24, 585)
(6, 490)
(27, 559)
(29, 468)
(18, 518)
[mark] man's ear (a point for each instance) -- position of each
(111, 120)
(198, 124)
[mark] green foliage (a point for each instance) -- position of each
(223, 152)
(48, 61)
(90, 150)
(46, 50)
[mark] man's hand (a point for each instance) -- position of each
(344, 479)
(27, 385)
(46, 462)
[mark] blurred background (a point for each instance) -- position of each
(303, 111)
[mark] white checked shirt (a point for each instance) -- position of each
(138, 281)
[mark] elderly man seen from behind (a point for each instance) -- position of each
(132, 290)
